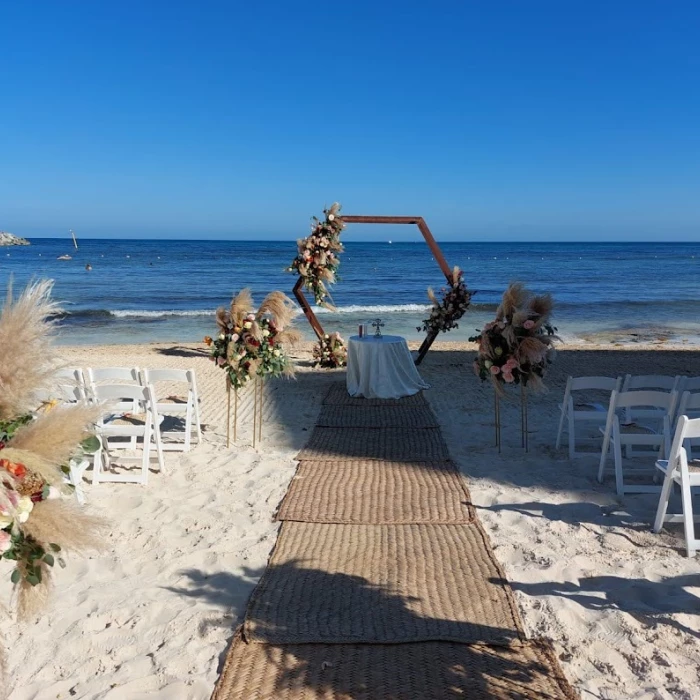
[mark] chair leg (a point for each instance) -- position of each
(146, 456)
(97, 463)
(572, 436)
(159, 450)
(188, 427)
(663, 503)
(561, 429)
(688, 519)
(619, 480)
(604, 456)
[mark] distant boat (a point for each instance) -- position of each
(75, 243)
(64, 257)
(389, 242)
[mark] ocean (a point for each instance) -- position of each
(157, 290)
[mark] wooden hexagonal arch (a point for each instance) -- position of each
(434, 249)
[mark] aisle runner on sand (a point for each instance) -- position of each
(362, 491)
(324, 620)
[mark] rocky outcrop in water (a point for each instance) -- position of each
(10, 239)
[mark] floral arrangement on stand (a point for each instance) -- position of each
(317, 260)
(251, 344)
(37, 523)
(517, 346)
(330, 352)
(445, 312)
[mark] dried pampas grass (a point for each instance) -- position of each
(241, 306)
(541, 305)
(26, 358)
(280, 307)
(223, 319)
(289, 336)
(513, 299)
(55, 434)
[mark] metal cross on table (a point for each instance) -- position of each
(377, 323)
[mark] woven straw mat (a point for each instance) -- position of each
(382, 583)
(425, 671)
(393, 444)
(377, 417)
(364, 491)
(338, 395)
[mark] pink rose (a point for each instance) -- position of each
(510, 364)
(494, 370)
(250, 317)
(221, 361)
(5, 542)
(508, 377)
(235, 337)
(528, 324)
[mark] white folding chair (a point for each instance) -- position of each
(114, 427)
(689, 406)
(617, 435)
(648, 382)
(677, 470)
(176, 406)
(589, 413)
(105, 376)
(69, 378)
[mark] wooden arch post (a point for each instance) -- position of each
(434, 249)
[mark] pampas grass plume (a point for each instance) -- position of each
(241, 306)
(55, 434)
(26, 359)
(280, 307)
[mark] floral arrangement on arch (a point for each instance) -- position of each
(317, 260)
(445, 313)
(39, 518)
(330, 351)
(518, 345)
(250, 343)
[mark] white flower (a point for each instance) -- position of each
(331, 217)
(248, 325)
(221, 336)
(276, 353)
(488, 364)
(235, 337)
(5, 520)
(265, 333)
(24, 508)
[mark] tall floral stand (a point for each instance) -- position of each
(228, 413)
(258, 393)
(523, 419)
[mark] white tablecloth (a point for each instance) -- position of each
(382, 368)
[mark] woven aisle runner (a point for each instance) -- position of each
(382, 584)
(360, 492)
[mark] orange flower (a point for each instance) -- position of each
(208, 340)
(14, 468)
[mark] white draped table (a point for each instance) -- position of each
(382, 368)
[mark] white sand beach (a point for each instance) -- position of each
(153, 615)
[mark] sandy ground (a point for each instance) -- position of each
(152, 616)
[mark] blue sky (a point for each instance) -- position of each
(574, 120)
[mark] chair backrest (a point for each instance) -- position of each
(690, 384)
(651, 381)
(645, 399)
(165, 375)
(689, 403)
(594, 383)
(118, 396)
(113, 374)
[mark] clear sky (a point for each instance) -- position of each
(511, 120)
